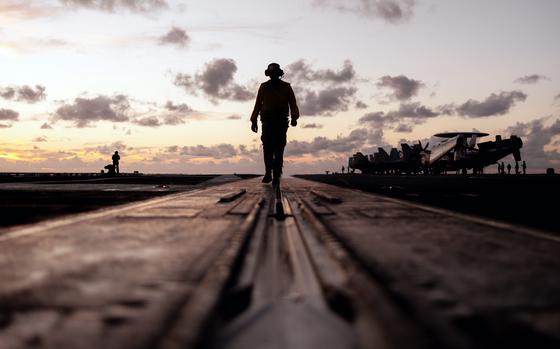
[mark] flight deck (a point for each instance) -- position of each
(239, 264)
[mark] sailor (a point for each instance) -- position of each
(509, 168)
(275, 101)
(116, 158)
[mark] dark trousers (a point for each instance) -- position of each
(274, 140)
(116, 164)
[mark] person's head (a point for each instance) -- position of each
(274, 71)
(116, 152)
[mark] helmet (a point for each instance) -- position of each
(273, 69)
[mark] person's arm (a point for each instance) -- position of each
(257, 108)
(294, 110)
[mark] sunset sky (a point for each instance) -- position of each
(171, 84)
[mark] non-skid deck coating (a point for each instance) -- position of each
(215, 268)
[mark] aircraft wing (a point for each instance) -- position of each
(441, 149)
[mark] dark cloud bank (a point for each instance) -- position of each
(414, 113)
(216, 81)
(403, 87)
(302, 72)
(23, 93)
(7, 115)
(84, 111)
(117, 108)
(322, 92)
(218, 151)
(531, 79)
(495, 104)
(175, 36)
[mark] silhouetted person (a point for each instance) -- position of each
(275, 101)
(503, 168)
(110, 169)
(342, 169)
(499, 168)
(116, 158)
(524, 167)
(509, 168)
(517, 167)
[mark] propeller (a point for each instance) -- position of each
(517, 155)
(423, 148)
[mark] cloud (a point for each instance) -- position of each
(180, 108)
(403, 87)
(40, 139)
(23, 93)
(30, 95)
(355, 139)
(84, 111)
(531, 79)
(446, 109)
(537, 136)
(403, 128)
(402, 119)
(234, 117)
(175, 36)
(113, 5)
(7, 92)
(217, 151)
(361, 105)
(376, 119)
(300, 71)
(326, 101)
(149, 121)
(412, 110)
(313, 125)
(216, 81)
(8, 115)
(557, 98)
(322, 91)
(108, 148)
(172, 114)
(117, 108)
(392, 11)
(46, 126)
(495, 104)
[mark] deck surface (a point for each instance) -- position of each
(236, 265)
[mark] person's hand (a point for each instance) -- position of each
(254, 127)
(294, 122)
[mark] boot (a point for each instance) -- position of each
(267, 178)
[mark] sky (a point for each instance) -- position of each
(171, 84)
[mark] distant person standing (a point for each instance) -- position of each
(509, 168)
(517, 167)
(524, 167)
(275, 101)
(116, 158)
(503, 168)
